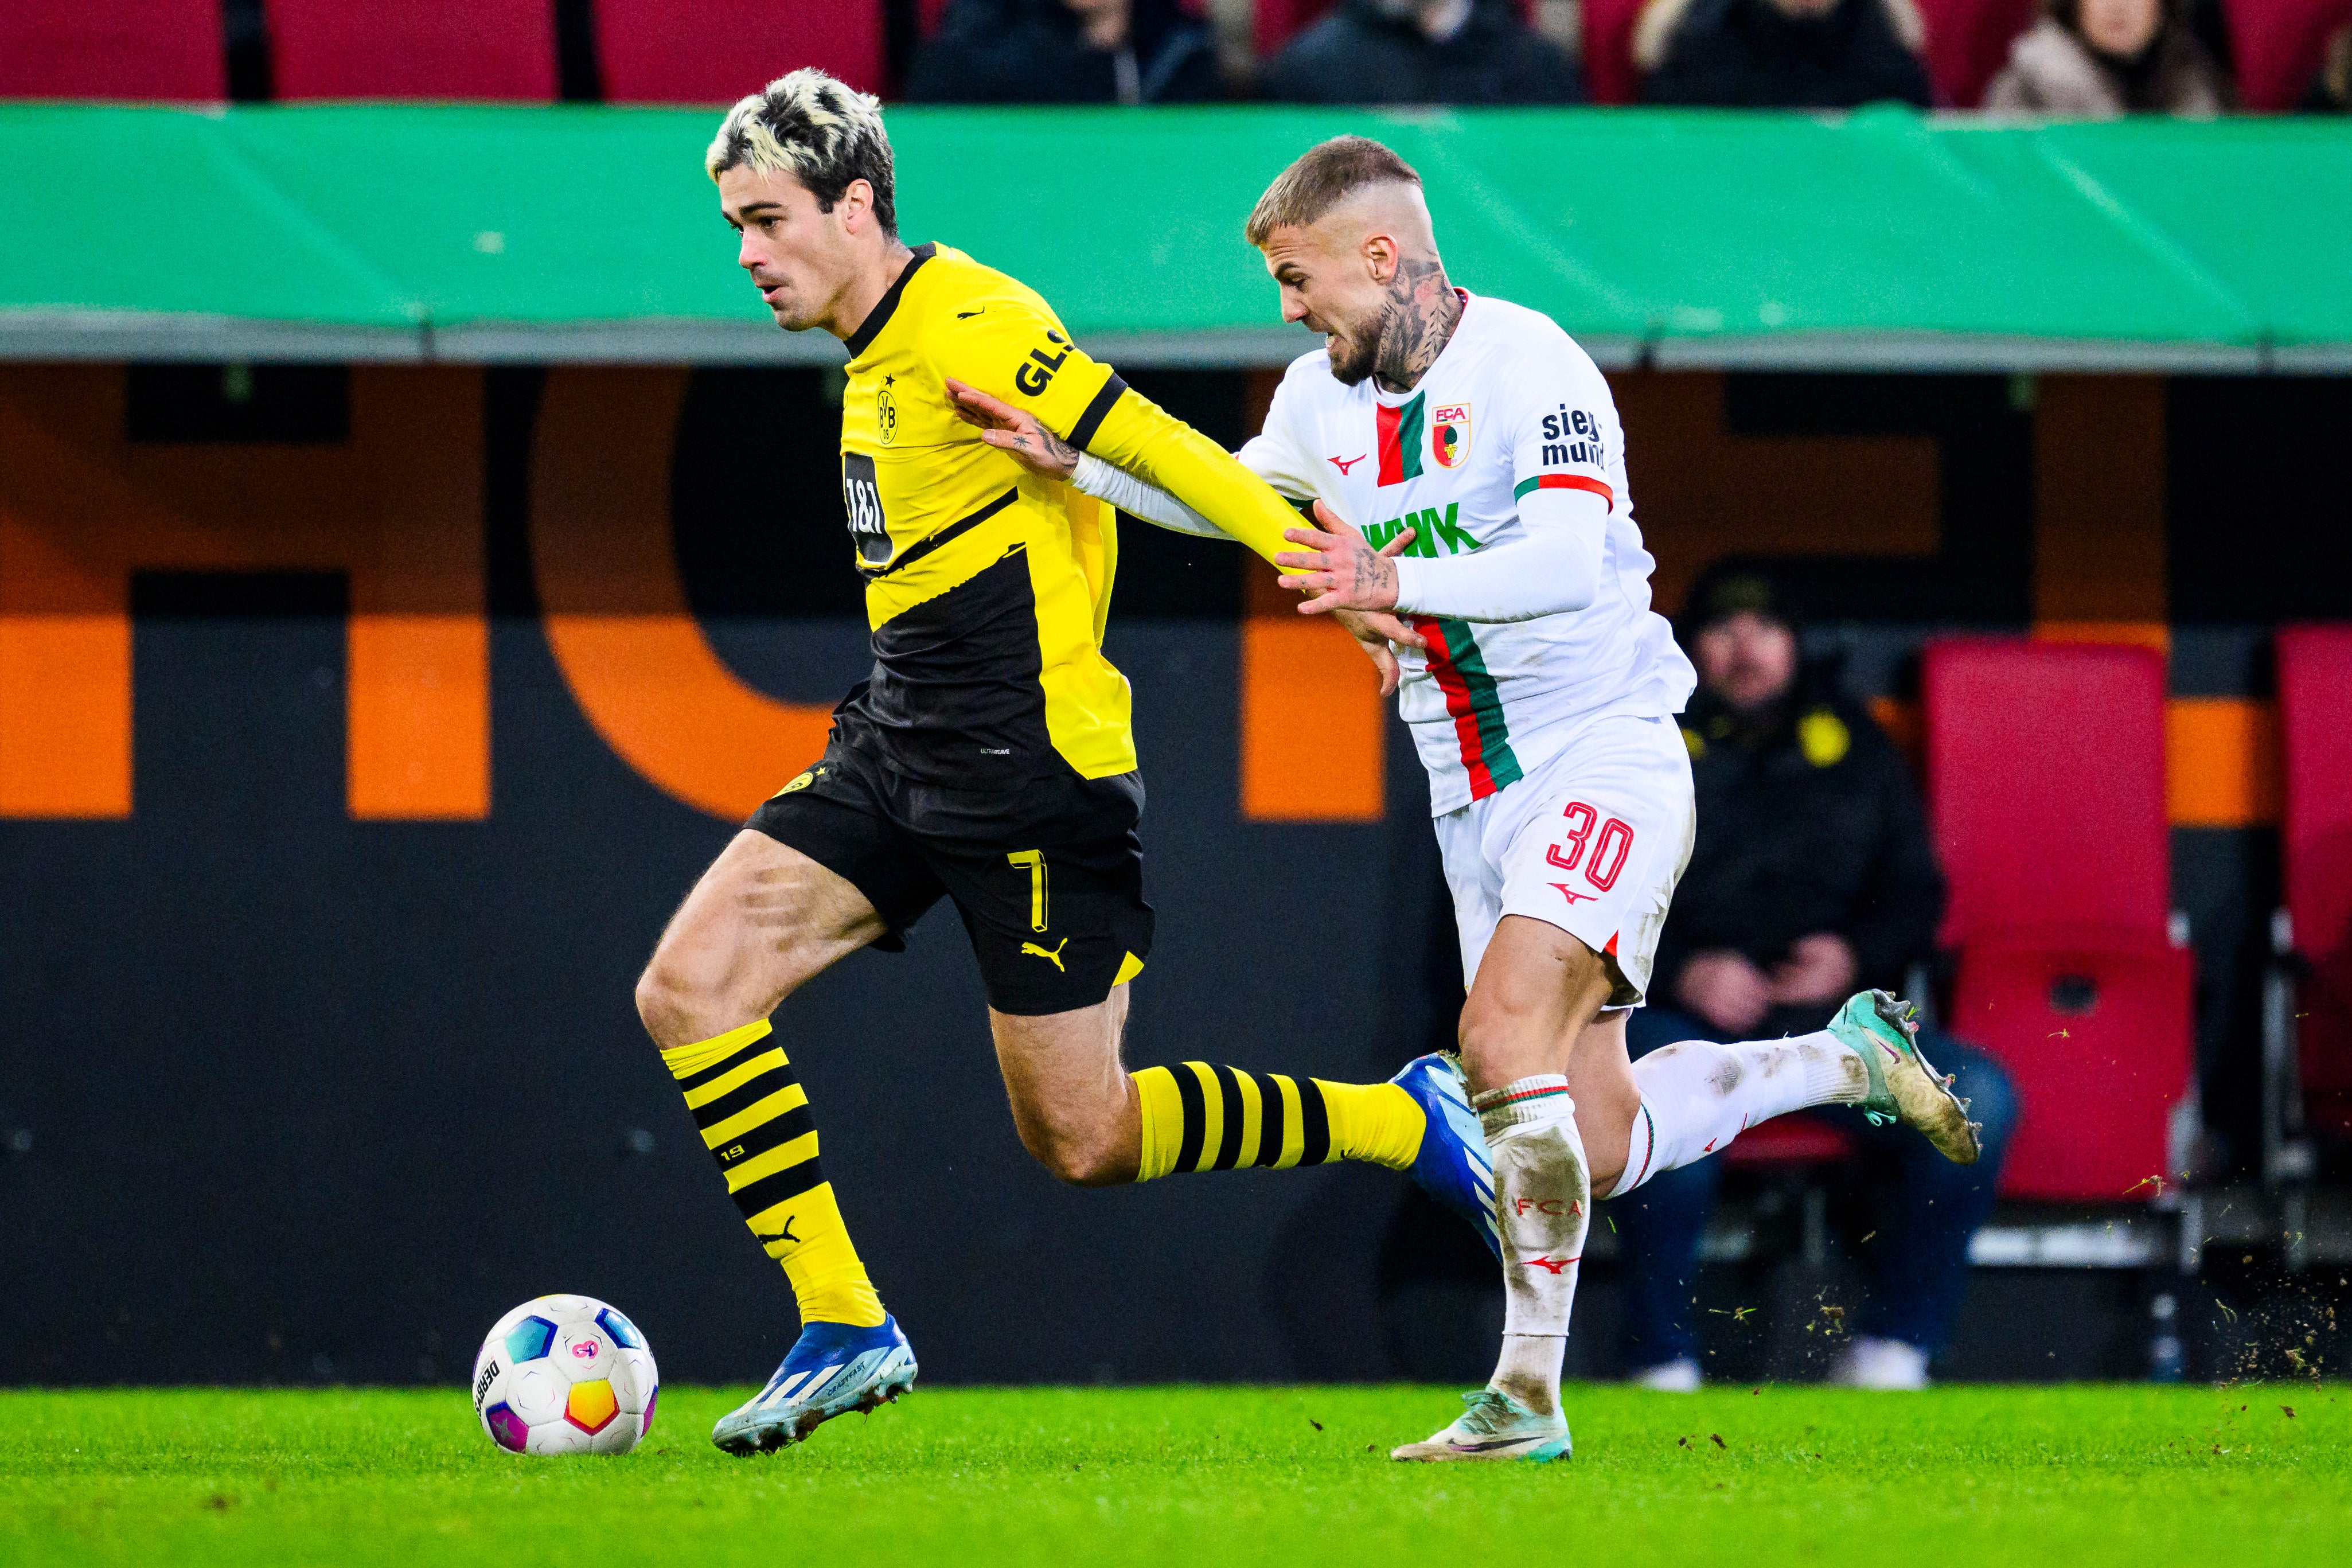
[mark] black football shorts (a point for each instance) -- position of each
(1048, 874)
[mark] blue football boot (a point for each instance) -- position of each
(1452, 1166)
(832, 1369)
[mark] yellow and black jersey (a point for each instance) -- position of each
(987, 586)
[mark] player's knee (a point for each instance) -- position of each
(672, 1001)
(1080, 1159)
(1494, 1037)
(657, 1001)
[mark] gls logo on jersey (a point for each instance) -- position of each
(1036, 372)
(861, 500)
(1572, 437)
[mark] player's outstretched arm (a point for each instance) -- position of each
(1554, 567)
(1023, 436)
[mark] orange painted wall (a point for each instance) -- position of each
(397, 508)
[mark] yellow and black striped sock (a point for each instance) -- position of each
(755, 1119)
(1197, 1117)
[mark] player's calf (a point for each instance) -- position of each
(763, 918)
(1698, 1096)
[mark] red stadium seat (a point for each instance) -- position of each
(2046, 789)
(2314, 688)
(715, 51)
(1967, 43)
(2277, 45)
(168, 49)
(1797, 1139)
(1609, 73)
(463, 50)
(1278, 19)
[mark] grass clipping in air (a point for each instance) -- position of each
(1198, 1478)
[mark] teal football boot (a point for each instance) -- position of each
(1495, 1426)
(1905, 1087)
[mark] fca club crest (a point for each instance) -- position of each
(1449, 435)
(885, 413)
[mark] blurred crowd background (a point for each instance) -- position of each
(2065, 58)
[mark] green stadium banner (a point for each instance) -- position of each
(1877, 239)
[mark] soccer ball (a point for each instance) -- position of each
(565, 1374)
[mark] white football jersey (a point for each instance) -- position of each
(1511, 406)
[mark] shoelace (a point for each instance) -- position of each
(1490, 1413)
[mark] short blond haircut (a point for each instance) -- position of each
(822, 132)
(1325, 175)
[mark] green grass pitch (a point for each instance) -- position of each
(1198, 1478)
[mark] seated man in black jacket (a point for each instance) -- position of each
(1065, 51)
(1813, 875)
(1782, 54)
(1422, 51)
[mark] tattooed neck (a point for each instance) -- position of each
(1419, 316)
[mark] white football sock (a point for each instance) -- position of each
(1697, 1097)
(1542, 1199)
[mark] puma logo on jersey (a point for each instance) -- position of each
(968, 315)
(1052, 956)
(1344, 464)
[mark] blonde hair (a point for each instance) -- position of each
(1323, 176)
(822, 132)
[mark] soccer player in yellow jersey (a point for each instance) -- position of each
(988, 760)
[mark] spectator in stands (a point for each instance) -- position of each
(1422, 51)
(1780, 53)
(2331, 89)
(1811, 878)
(1067, 51)
(2100, 58)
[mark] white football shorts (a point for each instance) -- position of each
(1591, 841)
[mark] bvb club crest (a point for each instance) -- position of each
(1449, 435)
(885, 413)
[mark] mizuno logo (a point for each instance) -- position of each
(1053, 956)
(1344, 464)
(1572, 898)
(1555, 1264)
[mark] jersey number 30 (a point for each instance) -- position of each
(1608, 857)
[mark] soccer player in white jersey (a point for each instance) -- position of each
(1469, 473)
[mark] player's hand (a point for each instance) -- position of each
(1014, 430)
(1820, 968)
(1374, 633)
(1722, 987)
(1342, 571)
